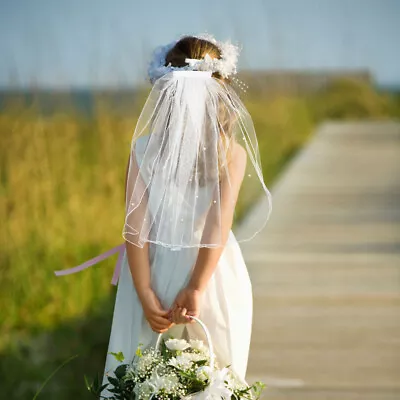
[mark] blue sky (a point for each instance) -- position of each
(62, 43)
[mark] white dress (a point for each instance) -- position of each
(226, 307)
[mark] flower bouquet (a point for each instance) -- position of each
(176, 369)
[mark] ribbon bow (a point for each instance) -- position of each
(117, 270)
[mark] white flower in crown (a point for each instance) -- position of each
(225, 66)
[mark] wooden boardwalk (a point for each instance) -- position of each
(326, 270)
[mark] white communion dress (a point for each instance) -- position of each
(226, 307)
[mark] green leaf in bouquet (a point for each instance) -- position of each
(242, 393)
(114, 381)
(120, 371)
(196, 385)
(139, 352)
(118, 356)
(257, 388)
(252, 392)
(164, 351)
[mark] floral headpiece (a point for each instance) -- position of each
(226, 65)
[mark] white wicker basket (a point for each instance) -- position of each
(211, 351)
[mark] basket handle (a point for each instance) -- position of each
(208, 337)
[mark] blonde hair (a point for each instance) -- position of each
(193, 47)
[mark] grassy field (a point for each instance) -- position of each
(62, 202)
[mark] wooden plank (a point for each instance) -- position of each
(326, 270)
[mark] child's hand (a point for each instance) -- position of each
(156, 316)
(187, 303)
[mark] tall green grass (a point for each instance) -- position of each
(62, 202)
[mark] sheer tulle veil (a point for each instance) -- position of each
(182, 192)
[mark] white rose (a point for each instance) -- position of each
(198, 345)
(177, 344)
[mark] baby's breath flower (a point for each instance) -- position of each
(144, 390)
(145, 364)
